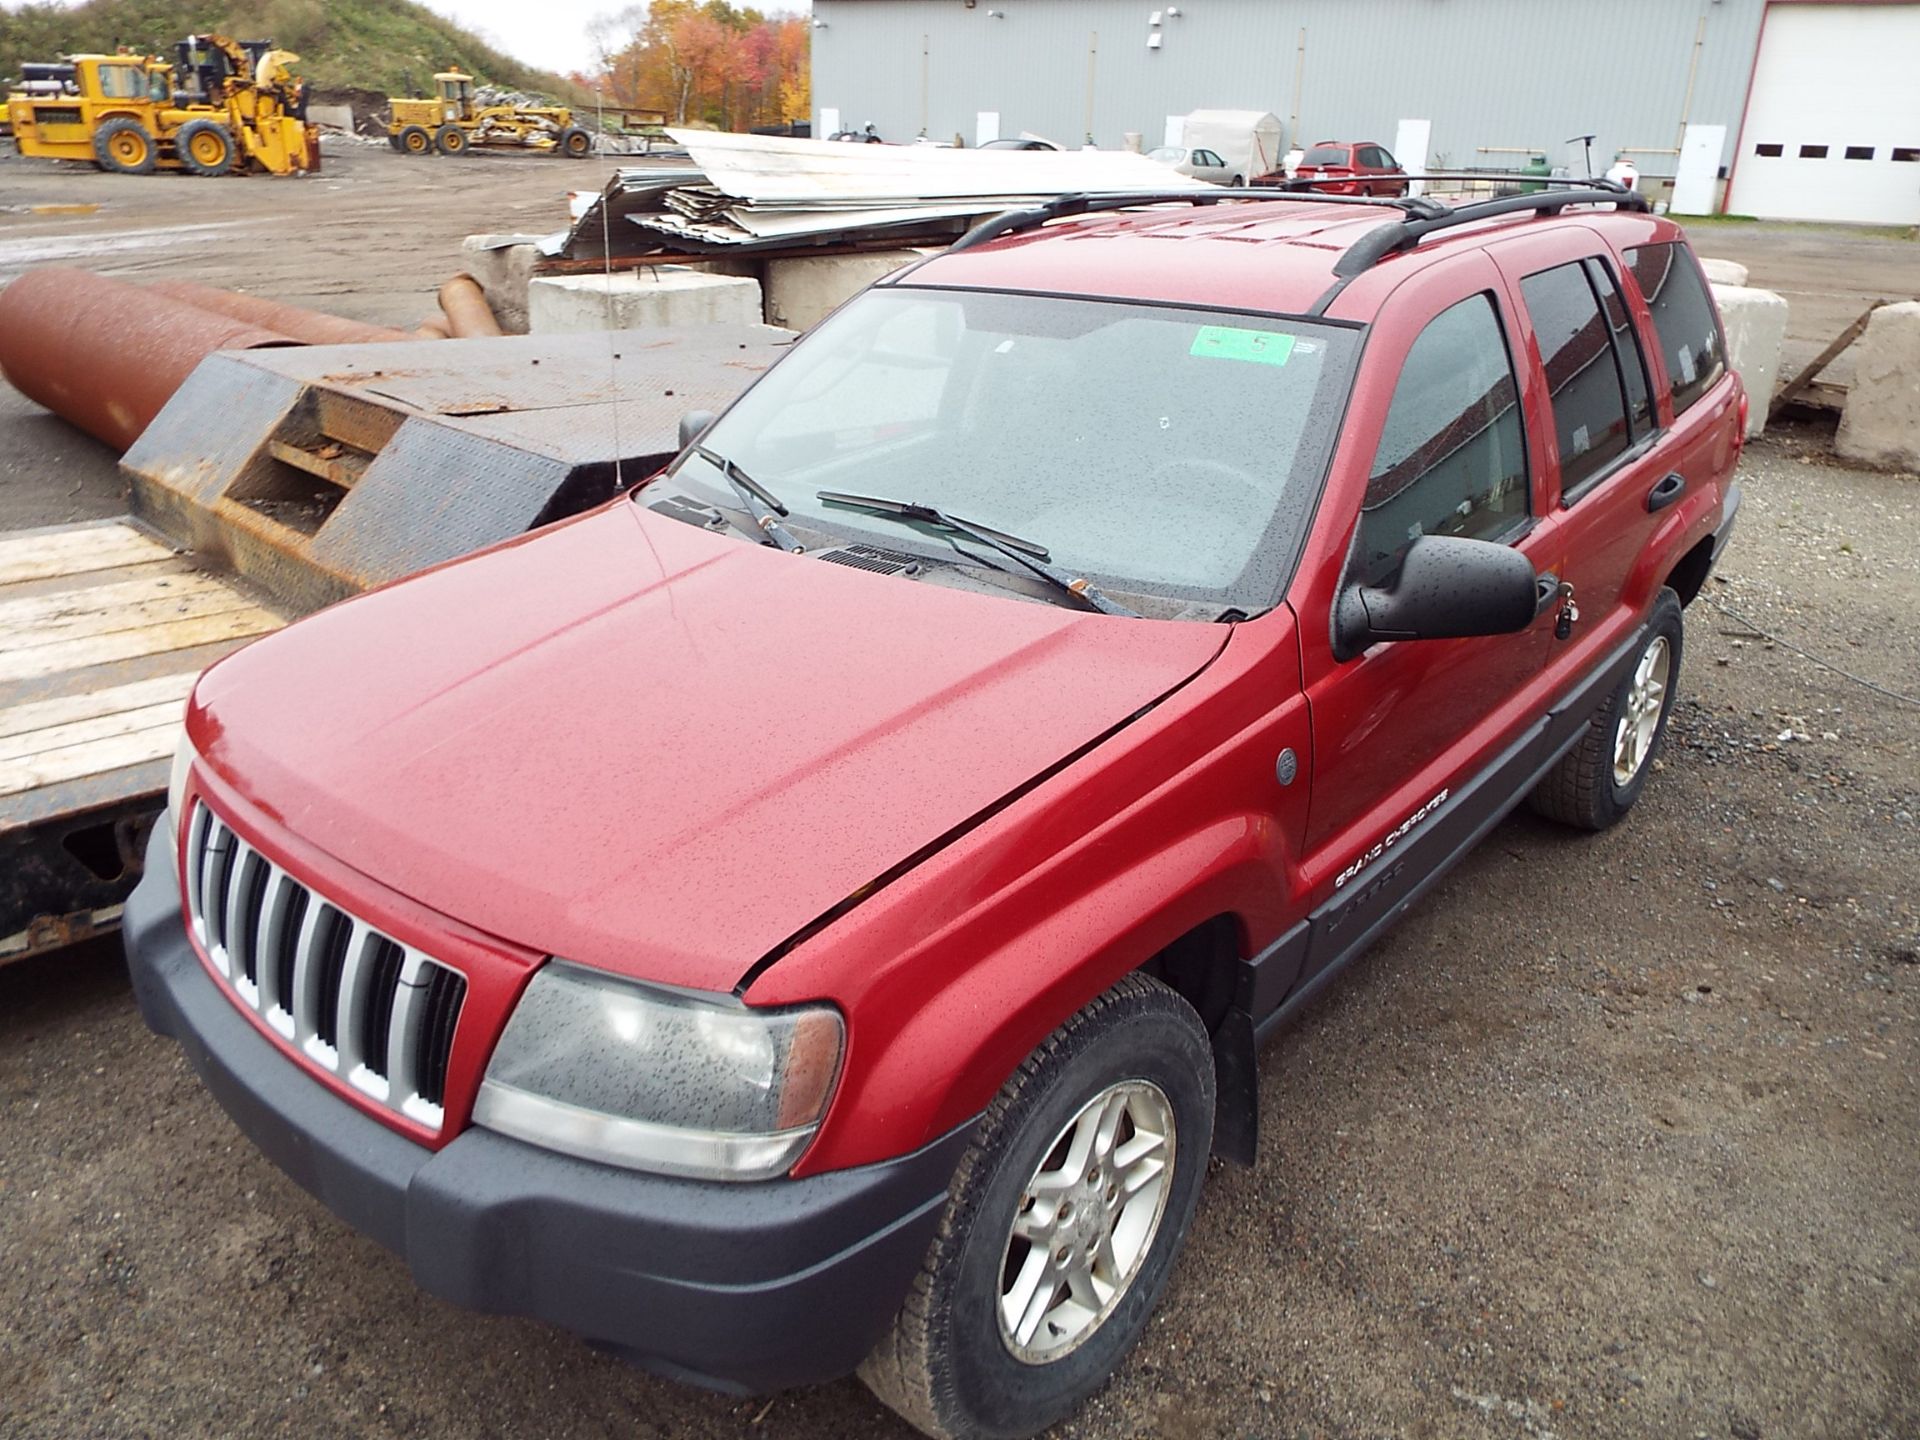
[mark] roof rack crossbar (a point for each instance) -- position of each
(1377, 244)
(1081, 203)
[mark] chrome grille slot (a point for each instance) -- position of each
(353, 1001)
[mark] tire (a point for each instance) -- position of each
(951, 1363)
(124, 146)
(575, 143)
(450, 140)
(1236, 182)
(414, 140)
(394, 140)
(1600, 778)
(204, 147)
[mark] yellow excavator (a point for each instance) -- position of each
(451, 122)
(222, 107)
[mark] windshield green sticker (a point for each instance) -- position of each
(1225, 342)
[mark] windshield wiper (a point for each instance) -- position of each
(762, 504)
(1034, 557)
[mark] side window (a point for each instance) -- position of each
(1589, 410)
(1374, 158)
(1452, 457)
(122, 82)
(1683, 317)
(1207, 157)
(1626, 347)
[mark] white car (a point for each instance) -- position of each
(1200, 164)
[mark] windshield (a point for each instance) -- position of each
(1162, 452)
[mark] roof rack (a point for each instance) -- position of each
(1420, 216)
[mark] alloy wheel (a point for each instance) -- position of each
(1640, 717)
(1087, 1220)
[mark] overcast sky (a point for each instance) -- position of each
(551, 34)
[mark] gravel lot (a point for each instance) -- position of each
(1615, 1136)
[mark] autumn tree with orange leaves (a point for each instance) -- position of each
(708, 62)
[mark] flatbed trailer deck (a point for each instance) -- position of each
(103, 628)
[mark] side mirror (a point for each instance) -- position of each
(694, 424)
(1447, 587)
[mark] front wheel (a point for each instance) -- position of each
(204, 147)
(575, 143)
(1062, 1223)
(1600, 778)
(124, 146)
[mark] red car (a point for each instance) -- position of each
(820, 911)
(1344, 167)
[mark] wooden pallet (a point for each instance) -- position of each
(103, 630)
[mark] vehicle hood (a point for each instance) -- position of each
(658, 749)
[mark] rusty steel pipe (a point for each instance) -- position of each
(106, 355)
(465, 305)
(309, 327)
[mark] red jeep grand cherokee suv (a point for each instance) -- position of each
(820, 910)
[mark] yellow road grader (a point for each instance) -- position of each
(222, 107)
(449, 121)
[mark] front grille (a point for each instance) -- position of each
(354, 1002)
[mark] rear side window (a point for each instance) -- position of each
(1683, 318)
(1583, 382)
(1452, 457)
(1626, 344)
(1325, 155)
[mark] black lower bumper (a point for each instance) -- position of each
(744, 1288)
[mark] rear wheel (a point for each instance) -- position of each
(450, 140)
(1237, 181)
(414, 140)
(394, 140)
(124, 146)
(575, 143)
(204, 147)
(1063, 1222)
(1600, 778)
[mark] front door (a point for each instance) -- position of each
(1399, 730)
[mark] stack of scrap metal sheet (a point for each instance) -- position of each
(762, 193)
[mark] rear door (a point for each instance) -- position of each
(1603, 451)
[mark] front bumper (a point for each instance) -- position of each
(741, 1287)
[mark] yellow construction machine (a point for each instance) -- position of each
(223, 107)
(450, 122)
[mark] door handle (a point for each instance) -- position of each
(1670, 489)
(1546, 589)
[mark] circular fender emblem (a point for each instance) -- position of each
(1287, 766)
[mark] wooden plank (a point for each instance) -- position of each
(101, 727)
(45, 603)
(90, 758)
(1786, 394)
(71, 709)
(75, 552)
(124, 644)
(72, 614)
(343, 468)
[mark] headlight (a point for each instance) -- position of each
(177, 782)
(659, 1080)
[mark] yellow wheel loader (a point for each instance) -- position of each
(450, 122)
(222, 108)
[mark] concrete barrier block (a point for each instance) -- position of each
(638, 299)
(1881, 422)
(1756, 322)
(803, 291)
(504, 272)
(340, 117)
(1723, 272)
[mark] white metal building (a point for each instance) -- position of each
(1788, 109)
